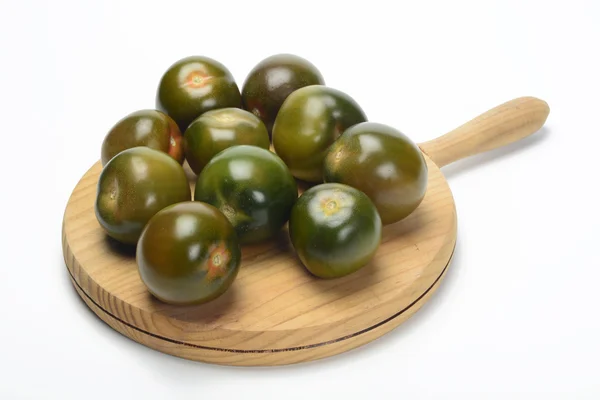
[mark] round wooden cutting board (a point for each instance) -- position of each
(276, 312)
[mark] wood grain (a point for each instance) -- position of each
(276, 312)
(502, 125)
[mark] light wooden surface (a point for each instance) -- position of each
(276, 312)
(502, 125)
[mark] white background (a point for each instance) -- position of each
(516, 317)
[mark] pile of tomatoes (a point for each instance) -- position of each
(248, 150)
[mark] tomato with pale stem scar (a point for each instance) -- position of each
(188, 254)
(193, 86)
(335, 230)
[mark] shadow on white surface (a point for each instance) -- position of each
(488, 157)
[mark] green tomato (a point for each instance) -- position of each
(335, 230)
(188, 253)
(309, 121)
(194, 85)
(133, 186)
(272, 80)
(149, 128)
(252, 187)
(217, 130)
(383, 163)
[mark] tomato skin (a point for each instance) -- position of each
(309, 121)
(151, 128)
(252, 187)
(133, 186)
(383, 163)
(216, 130)
(335, 230)
(194, 85)
(272, 80)
(188, 254)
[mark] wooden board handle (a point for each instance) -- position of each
(504, 124)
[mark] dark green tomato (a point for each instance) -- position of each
(309, 121)
(135, 185)
(252, 187)
(383, 163)
(272, 80)
(188, 254)
(217, 130)
(335, 230)
(149, 128)
(194, 85)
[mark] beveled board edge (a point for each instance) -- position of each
(252, 357)
(259, 357)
